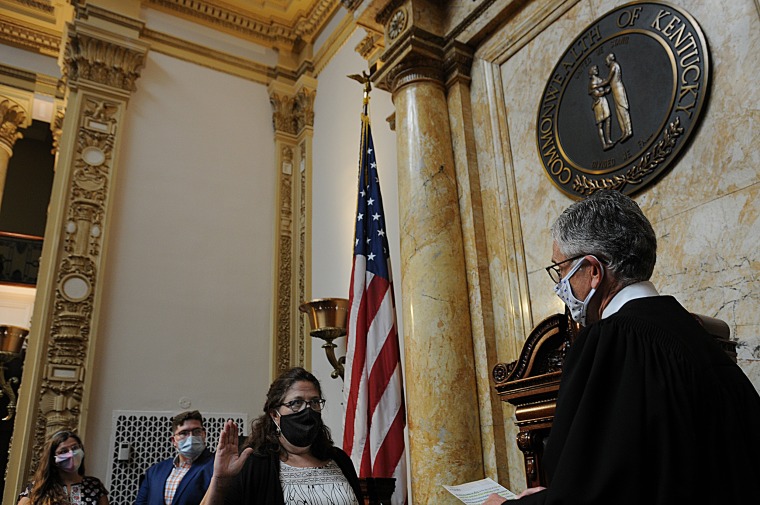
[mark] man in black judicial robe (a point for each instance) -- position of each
(650, 409)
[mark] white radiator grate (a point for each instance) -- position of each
(147, 434)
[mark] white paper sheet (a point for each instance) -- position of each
(476, 492)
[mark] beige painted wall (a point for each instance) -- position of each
(186, 308)
(187, 304)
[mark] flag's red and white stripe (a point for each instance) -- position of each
(373, 432)
(375, 414)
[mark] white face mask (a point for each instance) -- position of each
(578, 309)
(191, 447)
(70, 461)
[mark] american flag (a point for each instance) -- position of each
(373, 433)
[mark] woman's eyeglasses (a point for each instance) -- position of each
(298, 405)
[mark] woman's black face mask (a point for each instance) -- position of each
(301, 429)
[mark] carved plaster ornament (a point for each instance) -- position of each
(396, 24)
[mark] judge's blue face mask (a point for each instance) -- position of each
(578, 309)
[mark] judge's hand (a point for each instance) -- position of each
(227, 462)
(531, 490)
(494, 499)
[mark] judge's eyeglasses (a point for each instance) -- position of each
(554, 271)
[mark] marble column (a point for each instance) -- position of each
(101, 62)
(12, 117)
(442, 399)
(495, 441)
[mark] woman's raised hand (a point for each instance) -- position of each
(227, 461)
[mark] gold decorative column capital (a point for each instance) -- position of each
(293, 105)
(12, 117)
(15, 113)
(283, 118)
(100, 56)
(304, 108)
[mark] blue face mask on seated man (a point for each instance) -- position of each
(578, 309)
(191, 447)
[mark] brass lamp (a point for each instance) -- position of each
(328, 318)
(11, 343)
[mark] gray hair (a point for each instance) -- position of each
(612, 227)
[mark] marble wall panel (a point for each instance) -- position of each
(705, 211)
(712, 265)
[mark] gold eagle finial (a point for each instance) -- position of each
(364, 79)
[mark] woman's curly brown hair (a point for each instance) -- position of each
(264, 437)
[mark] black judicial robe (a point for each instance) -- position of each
(651, 410)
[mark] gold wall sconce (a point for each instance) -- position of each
(11, 343)
(328, 317)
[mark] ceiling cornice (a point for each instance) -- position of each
(30, 37)
(308, 19)
(271, 31)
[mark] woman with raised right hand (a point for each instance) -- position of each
(289, 456)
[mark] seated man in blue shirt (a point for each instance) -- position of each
(181, 480)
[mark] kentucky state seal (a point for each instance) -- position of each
(623, 100)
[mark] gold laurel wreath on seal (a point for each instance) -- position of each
(635, 175)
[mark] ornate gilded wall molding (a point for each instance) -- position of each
(37, 5)
(293, 121)
(17, 78)
(283, 321)
(308, 26)
(91, 12)
(351, 5)
(70, 328)
(303, 234)
(101, 68)
(210, 58)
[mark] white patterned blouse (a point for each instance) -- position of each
(324, 485)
